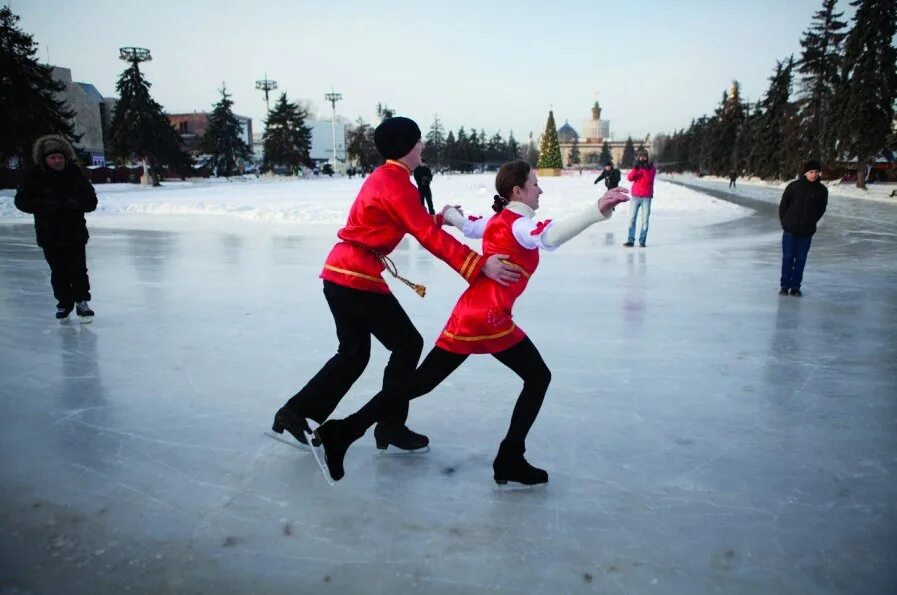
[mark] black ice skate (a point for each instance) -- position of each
(292, 423)
(509, 465)
(63, 312)
(399, 436)
(85, 314)
(335, 436)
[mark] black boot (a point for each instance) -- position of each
(509, 465)
(399, 436)
(296, 425)
(336, 436)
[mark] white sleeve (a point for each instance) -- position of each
(558, 232)
(471, 227)
(528, 233)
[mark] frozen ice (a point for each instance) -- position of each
(702, 434)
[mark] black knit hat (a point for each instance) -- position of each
(812, 164)
(395, 137)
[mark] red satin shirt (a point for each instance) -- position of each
(386, 208)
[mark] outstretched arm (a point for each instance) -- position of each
(562, 231)
(471, 227)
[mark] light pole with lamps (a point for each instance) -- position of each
(333, 97)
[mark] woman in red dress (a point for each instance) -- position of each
(481, 321)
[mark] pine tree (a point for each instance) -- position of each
(820, 64)
(434, 150)
(628, 154)
(462, 151)
(360, 145)
(550, 150)
(222, 140)
(451, 150)
(725, 124)
(513, 150)
(575, 158)
(605, 156)
(774, 149)
(287, 139)
(384, 112)
(476, 149)
(141, 131)
(864, 100)
(28, 99)
(497, 149)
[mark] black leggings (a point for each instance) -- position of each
(523, 358)
(358, 315)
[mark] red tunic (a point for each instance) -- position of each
(388, 207)
(481, 321)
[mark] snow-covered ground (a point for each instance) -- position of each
(702, 434)
(325, 201)
(875, 192)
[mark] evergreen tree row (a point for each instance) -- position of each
(461, 151)
(843, 111)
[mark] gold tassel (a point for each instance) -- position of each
(390, 266)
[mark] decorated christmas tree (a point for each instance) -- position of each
(549, 150)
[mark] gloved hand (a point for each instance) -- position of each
(71, 205)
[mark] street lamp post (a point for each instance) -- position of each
(333, 97)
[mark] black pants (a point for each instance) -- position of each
(523, 359)
(426, 198)
(358, 315)
(68, 274)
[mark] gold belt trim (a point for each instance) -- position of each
(353, 273)
(481, 337)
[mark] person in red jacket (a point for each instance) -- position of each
(386, 208)
(481, 322)
(642, 177)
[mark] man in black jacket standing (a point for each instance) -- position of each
(802, 206)
(423, 175)
(610, 175)
(57, 194)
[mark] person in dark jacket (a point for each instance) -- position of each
(423, 175)
(610, 175)
(802, 206)
(58, 194)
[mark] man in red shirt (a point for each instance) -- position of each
(386, 208)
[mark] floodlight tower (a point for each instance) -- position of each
(266, 85)
(134, 55)
(333, 97)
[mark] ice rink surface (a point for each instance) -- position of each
(702, 434)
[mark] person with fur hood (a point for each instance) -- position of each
(58, 194)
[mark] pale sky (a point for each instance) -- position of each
(495, 65)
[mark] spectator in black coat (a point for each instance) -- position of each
(610, 175)
(802, 206)
(58, 194)
(423, 175)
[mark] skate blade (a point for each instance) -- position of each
(401, 452)
(509, 485)
(85, 319)
(297, 445)
(317, 452)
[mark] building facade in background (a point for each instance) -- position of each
(595, 132)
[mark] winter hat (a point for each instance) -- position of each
(49, 144)
(395, 137)
(812, 164)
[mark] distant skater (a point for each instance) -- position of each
(733, 175)
(58, 194)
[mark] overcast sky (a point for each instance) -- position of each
(495, 65)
